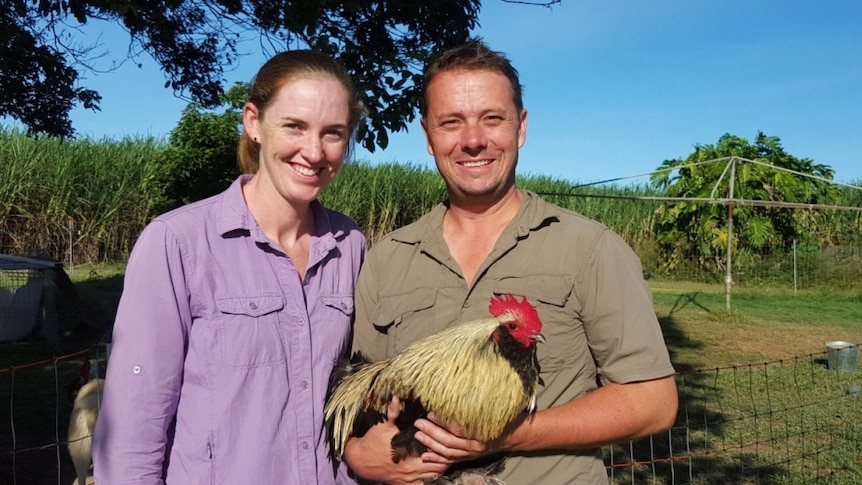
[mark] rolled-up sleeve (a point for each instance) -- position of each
(145, 371)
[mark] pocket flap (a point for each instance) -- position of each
(343, 304)
(550, 289)
(251, 305)
(392, 309)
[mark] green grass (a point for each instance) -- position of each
(759, 403)
(763, 324)
(786, 422)
(99, 286)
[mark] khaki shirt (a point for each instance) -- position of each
(585, 281)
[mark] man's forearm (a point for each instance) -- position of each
(613, 413)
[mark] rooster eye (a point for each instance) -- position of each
(513, 326)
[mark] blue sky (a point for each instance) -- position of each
(613, 88)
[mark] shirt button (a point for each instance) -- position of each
(136, 370)
(304, 445)
(300, 321)
(304, 385)
(252, 305)
(467, 304)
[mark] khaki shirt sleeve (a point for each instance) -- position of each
(366, 339)
(622, 329)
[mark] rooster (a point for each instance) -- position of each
(477, 375)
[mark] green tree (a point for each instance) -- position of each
(696, 228)
(201, 155)
(37, 87)
(383, 43)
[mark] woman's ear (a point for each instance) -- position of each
(251, 121)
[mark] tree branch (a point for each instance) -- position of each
(548, 4)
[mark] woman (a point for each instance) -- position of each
(235, 308)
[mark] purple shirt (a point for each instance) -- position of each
(221, 356)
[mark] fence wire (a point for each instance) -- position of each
(790, 421)
(793, 421)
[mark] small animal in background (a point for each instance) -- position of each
(82, 422)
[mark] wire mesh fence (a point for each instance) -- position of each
(28, 300)
(794, 421)
(790, 421)
(797, 267)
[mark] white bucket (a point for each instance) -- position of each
(841, 356)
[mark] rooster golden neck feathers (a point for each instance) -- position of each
(517, 318)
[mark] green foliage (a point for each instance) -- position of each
(834, 227)
(612, 205)
(759, 171)
(384, 46)
(109, 189)
(202, 148)
(384, 197)
(37, 86)
(112, 189)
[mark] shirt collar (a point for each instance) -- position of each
(233, 215)
(532, 214)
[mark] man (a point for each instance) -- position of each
(607, 375)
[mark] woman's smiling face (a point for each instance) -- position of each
(303, 135)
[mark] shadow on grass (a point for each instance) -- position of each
(715, 438)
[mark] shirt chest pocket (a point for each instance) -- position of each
(332, 324)
(249, 331)
(565, 342)
(406, 318)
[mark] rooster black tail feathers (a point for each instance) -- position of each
(357, 358)
(344, 418)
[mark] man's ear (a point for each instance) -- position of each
(522, 129)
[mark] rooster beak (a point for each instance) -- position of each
(538, 338)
